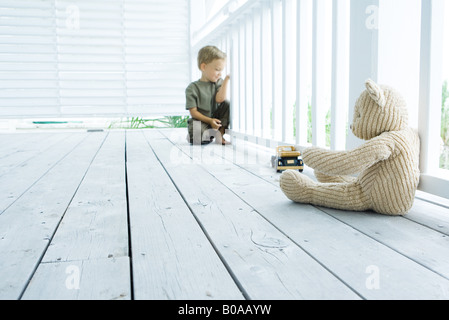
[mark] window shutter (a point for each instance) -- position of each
(157, 55)
(28, 58)
(93, 57)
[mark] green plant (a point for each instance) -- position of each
(130, 123)
(327, 126)
(174, 121)
(309, 122)
(141, 123)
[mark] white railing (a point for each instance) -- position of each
(287, 54)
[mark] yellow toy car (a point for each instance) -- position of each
(287, 158)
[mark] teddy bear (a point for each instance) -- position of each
(382, 175)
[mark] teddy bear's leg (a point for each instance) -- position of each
(297, 187)
(344, 196)
(324, 178)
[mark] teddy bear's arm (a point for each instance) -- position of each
(348, 162)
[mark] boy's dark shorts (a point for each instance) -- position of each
(201, 133)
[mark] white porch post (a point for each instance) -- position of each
(276, 38)
(303, 68)
(288, 69)
(319, 74)
(363, 53)
(340, 62)
(430, 97)
(431, 80)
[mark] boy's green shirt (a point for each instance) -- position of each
(202, 95)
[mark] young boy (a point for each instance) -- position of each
(206, 99)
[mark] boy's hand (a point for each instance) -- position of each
(215, 124)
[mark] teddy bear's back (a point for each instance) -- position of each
(391, 184)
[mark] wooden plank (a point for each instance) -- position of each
(345, 250)
(93, 232)
(415, 241)
(27, 226)
(95, 225)
(431, 215)
(255, 158)
(267, 264)
(256, 161)
(423, 213)
(81, 280)
(9, 142)
(14, 183)
(23, 152)
(424, 245)
(13, 142)
(172, 258)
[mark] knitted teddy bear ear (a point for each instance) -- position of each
(376, 92)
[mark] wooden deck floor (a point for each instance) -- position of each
(143, 215)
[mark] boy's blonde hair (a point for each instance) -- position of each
(209, 54)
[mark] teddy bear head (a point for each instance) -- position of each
(379, 109)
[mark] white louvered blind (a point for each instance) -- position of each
(28, 58)
(93, 57)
